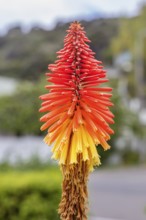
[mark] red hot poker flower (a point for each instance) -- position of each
(77, 117)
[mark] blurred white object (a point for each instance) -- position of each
(123, 61)
(142, 116)
(135, 105)
(7, 85)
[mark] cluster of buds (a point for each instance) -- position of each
(77, 118)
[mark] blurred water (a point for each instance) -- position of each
(23, 148)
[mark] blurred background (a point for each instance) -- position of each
(31, 32)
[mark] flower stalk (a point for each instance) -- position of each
(77, 118)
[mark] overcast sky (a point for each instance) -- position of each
(47, 12)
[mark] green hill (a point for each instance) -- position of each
(27, 55)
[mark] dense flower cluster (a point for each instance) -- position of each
(78, 113)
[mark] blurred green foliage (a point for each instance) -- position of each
(132, 37)
(30, 195)
(19, 112)
(129, 31)
(130, 157)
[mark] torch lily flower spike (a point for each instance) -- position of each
(77, 118)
